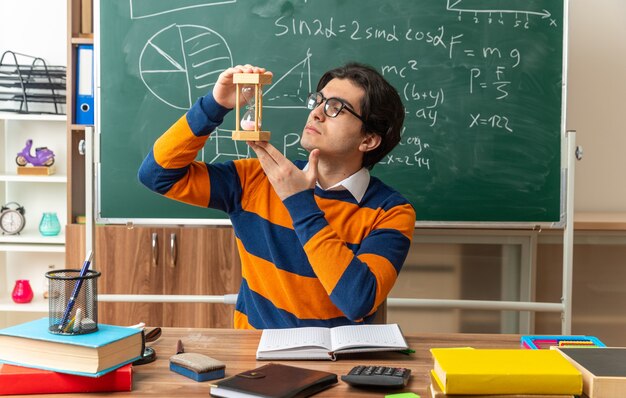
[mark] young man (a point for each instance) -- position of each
(321, 242)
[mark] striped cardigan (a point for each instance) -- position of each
(318, 258)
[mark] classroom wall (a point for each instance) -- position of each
(596, 92)
(596, 102)
(35, 27)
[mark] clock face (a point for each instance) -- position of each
(11, 222)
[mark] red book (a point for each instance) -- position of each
(21, 380)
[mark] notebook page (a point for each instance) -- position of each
(367, 336)
(281, 339)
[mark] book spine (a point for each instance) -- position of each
(492, 384)
(51, 382)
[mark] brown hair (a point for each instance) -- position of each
(381, 107)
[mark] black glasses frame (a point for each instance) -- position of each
(316, 99)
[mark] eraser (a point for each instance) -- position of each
(87, 324)
(197, 367)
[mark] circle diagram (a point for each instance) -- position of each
(182, 62)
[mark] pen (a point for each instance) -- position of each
(70, 303)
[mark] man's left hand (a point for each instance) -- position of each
(284, 176)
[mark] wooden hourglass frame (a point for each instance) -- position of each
(256, 80)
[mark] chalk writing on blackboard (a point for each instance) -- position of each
(188, 57)
(490, 8)
(301, 72)
(221, 147)
(481, 82)
(149, 8)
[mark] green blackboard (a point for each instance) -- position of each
(482, 83)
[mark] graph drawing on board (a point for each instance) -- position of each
(150, 8)
(288, 91)
(186, 56)
(494, 7)
(298, 81)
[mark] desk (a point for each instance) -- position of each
(237, 348)
(600, 221)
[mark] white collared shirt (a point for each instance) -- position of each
(356, 184)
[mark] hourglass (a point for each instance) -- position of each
(249, 85)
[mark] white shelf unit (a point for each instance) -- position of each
(29, 254)
(39, 304)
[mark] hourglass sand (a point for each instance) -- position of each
(248, 121)
(249, 86)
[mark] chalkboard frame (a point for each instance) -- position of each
(554, 223)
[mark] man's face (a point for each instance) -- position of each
(342, 135)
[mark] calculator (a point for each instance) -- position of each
(377, 376)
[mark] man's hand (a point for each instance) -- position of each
(284, 176)
(224, 89)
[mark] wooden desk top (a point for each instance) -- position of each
(600, 221)
(237, 349)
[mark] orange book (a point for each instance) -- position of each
(21, 380)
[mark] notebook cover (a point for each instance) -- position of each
(38, 330)
(601, 362)
(506, 371)
(22, 380)
(603, 369)
(275, 381)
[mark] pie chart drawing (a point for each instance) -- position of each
(182, 62)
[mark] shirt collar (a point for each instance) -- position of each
(356, 184)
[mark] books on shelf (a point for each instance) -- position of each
(327, 343)
(274, 381)
(16, 380)
(434, 391)
(603, 370)
(504, 371)
(94, 354)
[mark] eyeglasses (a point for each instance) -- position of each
(332, 106)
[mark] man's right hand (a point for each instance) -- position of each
(224, 90)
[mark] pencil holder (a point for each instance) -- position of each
(73, 301)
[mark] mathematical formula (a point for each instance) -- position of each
(485, 74)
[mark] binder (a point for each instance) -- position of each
(84, 85)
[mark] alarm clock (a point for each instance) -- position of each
(12, 219)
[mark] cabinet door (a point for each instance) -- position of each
(200, 261)
(74, 245)
(130, 261)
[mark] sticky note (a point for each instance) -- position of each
(403, 395)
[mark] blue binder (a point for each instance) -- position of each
(84, 85)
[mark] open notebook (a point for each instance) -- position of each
(327, 343)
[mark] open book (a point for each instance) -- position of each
(326, 343)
